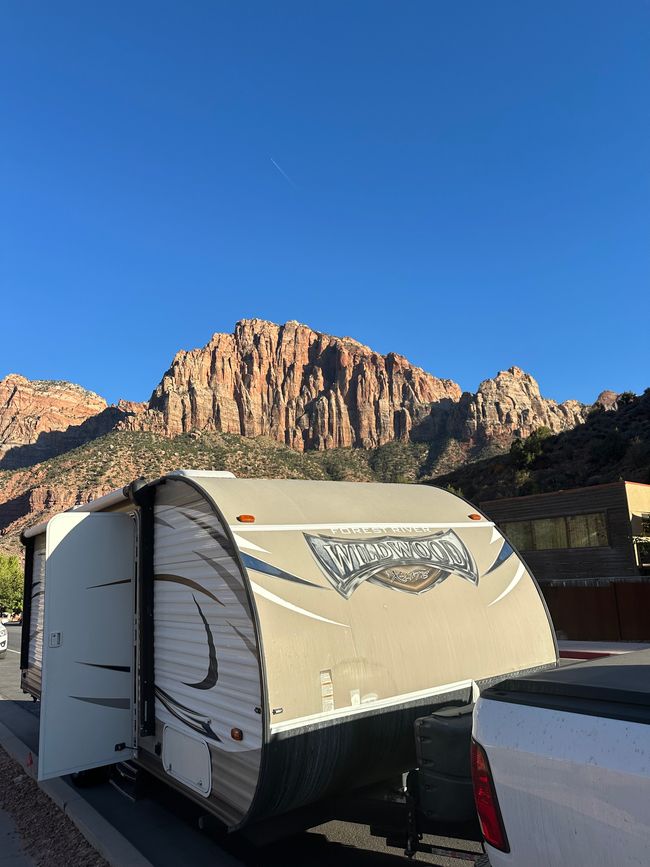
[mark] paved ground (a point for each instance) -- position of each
(159, 829)
(11, 845)
(10, 666)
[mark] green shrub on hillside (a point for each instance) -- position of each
(11, 583)
(525, 452)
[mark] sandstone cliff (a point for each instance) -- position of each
(46, 416)
(511, 406)
(305, 389)
(297, 386)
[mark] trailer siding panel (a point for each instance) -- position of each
(32, 675)
(207, 669)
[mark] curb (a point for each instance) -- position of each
(101, 835)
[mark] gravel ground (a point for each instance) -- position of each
(48, 836)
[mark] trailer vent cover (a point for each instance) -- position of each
(187, 759)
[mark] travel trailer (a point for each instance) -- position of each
(262, 645)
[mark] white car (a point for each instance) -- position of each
(3, 641)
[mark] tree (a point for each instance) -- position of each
(397, 461)
(523, 453)
(454, 490)
(11, 583)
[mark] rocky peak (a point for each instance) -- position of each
(296, 385)
(30, 410)
(510, 405)
(607, 400)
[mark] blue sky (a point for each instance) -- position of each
(465, 183)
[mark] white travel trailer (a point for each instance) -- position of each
(264, 645)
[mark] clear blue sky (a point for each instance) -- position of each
(466, 183)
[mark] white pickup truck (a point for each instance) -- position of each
(561, 766)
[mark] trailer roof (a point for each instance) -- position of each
(295, 503)
(292, 503)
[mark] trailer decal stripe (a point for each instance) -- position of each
(219, 568)
(267, 569)
(213, 532)
(229, 580)
(518, 575)
(187, 582)
(266, 594)
(109, 583)
(505, 552)
(118, 703)
(213, 667)
(108, 667)
(368, 707)
(249, 644)
(411, 525)
(246, 543)
(192, 720)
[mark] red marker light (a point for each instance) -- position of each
(246, 519)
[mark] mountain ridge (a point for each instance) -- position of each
(301, 387)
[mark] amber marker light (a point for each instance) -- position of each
(474, 517)
(237, 734)
(246, 519)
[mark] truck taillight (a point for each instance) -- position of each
(487, 805)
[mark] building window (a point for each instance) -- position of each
(550, 533)
(645, 525)
(571, 531)
(643, 544)
(520, 534)
(587, 531)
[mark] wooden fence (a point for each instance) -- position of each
(614, 611)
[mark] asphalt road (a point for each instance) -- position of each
(10, 666)
(341, 843)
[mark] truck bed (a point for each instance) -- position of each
(613, 687)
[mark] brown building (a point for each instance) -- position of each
(589, 548)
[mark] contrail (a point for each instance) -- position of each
(283, 173)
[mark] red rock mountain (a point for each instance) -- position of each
(300, 387)
(509, 406)
(305, 389)
(43, 414)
